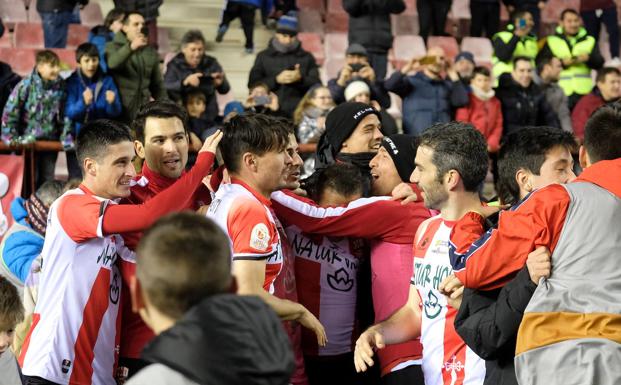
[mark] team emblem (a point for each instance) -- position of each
(259, 237)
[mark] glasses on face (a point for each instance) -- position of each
(323, 97)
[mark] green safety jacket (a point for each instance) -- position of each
(525, 46)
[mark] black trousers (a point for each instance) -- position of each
(432, 16)
(593, 24)
(246, 13)
(45, 166)
(412, 375)
(339, 370)
(379, 63)
(37, 381)
(485, 16)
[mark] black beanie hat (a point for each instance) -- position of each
(340, 123)
(402, 150)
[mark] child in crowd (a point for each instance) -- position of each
(359, 91)
(91, 94)
(102, 34)
(200, 126)
(483, 110)
(35, 111)
(262, 100)
(192, 295)
(11, 313)
(310, 115)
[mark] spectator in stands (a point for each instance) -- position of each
(100, 35)
(360, 92)
(262, 100)
(11, 314)
(370, 26)
(523, 102)
(245, 10)
(91, 94)
(200, 126)
(193, 293)
(549, 69)
(533, 7)
(285, 67)
(594, 13)
(8, 79)
(432, 16)
(427, 96)
(607, 90)
(56, 15)
(579, 54)
(149, 9)
(192, 69)
(464, 65)
(483, 111)
(516, 40)
(310, 115)
(35, 111)
(135, 66)
(357, 68)
(485, 15)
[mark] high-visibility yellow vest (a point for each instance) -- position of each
(577, 77)
(526, 46)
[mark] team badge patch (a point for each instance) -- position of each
(259, 237)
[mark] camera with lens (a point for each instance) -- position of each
(356, 67)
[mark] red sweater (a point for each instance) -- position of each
(486, 116)
(583, 110)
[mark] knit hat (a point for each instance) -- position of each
(340, 123)
(37, 214)
(355, 88)
(356, 49)
(233, 106)
(465, 55)
(402, 150)
(287, 25)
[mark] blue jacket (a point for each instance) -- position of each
(265, 5)
(20, 247)
(426, 101)
(77, 111)
(99, 36)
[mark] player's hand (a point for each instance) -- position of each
(405, 193)
(88, 96)
(454, 299)
(539, 264)
(487, 211)
(110, 97)
(450, 284)
(211, 143)
(371, 339)
(309, 321)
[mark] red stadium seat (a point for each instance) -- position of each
(12, 12)
(310, 21)
(337, 20)
(406, 47)
(335, 45)
(67, 58)
(480, 47)
(21, 60)
(316, 5)
(451, 49)
(6, 40)
(333, 65)
(91, 14)
(29, 35)
(163, 41)
(77, 35)
(311, 42)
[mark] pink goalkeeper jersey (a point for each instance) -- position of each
(73, 338)
(446, 358)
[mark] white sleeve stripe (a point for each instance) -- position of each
(321, 212)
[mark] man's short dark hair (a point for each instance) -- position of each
(480, 70)
(255, 133)
(11, 308)
(47, 56)
(162, 109)
(569, 11)
(458, 146)
(343, 178)
(526, 149)
(192, 36)
(182, 259)
(114, 15)
(128, 14)
(519, 14)
(518, 59)
(543, 60)
(86, 49)
(605, 71)
(602, 133)
(95, 137)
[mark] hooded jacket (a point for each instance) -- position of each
(369, 23)
(583, 110)
(226, 340)
(270, 62)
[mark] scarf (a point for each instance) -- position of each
(282, 48)
(484, 96)
(315, 112)
(37, 214)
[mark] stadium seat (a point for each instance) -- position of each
(77, 35)
(6, 41)
(460, 17)
(335, 45)
(21, 60)
(310, 20)
(29, 35)
(480, 47)
(315, 5)
(333, 65)
(91, 14)
(451, 49)
(337, 20)
(12, 12)
(406, 47)
(311, 42)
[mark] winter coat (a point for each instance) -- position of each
(35, 111)
(269, 63)
(240, 337)
(486, 116)
(8, 81)
(136, 74)
(100, 36)
(58, 5)
(557, 100)
(80, 113)
(522, 107)
(378, 92)
(369, 23)
(178, 69)
(426, 101)
(583, 110)
(488, 322)
(148, 8)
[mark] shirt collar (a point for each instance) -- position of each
(157, 182)
(255, 193)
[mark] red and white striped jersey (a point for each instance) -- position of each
(246, 217)
(73, 338)
(446, 358)
(326, 270)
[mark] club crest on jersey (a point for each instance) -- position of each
(432, 306)
(65, 366)
(260, 237)
(454, 366)
(340, 280)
